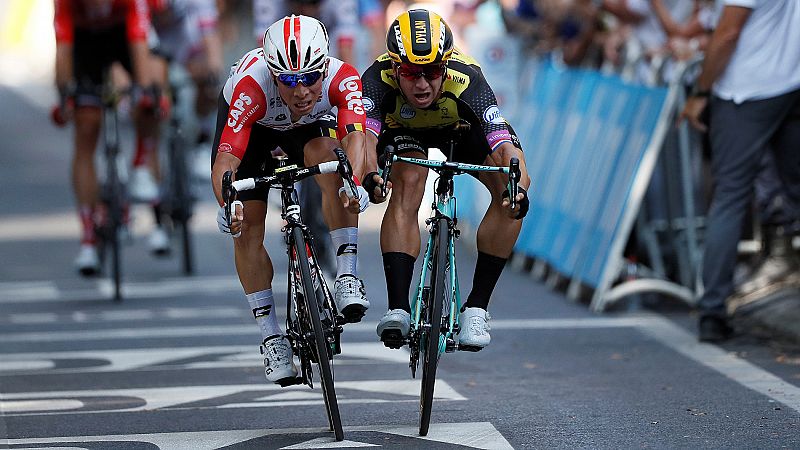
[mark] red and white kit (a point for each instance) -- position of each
(252, 93)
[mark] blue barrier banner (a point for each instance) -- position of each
(584, 135)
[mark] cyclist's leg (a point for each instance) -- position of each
(400, 236)
(89, 62)
(496, 236)
(349, 292)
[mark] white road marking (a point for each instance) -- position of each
(481, 435)
(39, 405)
(353, 353)
(324, 442)
(129, 315)
(16, 292)
(173, 397)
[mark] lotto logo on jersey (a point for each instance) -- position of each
(237, 109)
(353, 97)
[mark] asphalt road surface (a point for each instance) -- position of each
(176, 364)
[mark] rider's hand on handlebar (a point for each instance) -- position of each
(522, 204)
(354, 205)
(237, 216)
(374, 185)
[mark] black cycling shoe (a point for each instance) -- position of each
(714, 329)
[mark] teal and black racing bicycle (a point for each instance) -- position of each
(437, 303)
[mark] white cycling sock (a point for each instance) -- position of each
(345, 241)
(263, 306)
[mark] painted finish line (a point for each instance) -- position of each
(212, 397)
(175, 358)
(481, 435)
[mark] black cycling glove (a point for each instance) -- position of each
(370, 185)
(524, 204)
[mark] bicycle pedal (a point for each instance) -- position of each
(290, 381)
(469, 348)
(353, 313)
(393, 339)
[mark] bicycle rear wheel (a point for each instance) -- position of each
(321, 346)
(112, 228)
(433, 316)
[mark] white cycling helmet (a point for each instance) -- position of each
(296, 44)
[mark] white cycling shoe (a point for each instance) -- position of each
(393, 327)
(278, 361)
(350, 297)
(158, 242)
(87, 262)
(142, 186)
(474, 334)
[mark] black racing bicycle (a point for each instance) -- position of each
(113, 192)
(436, 305)
(178, 199)
(313, 324)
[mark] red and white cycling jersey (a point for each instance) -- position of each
(85, 15)
(252, 95)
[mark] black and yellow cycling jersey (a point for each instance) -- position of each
(465, 95)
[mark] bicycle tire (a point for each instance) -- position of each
(115, 219)
(181, 198)
(320, 343)
(430, 356)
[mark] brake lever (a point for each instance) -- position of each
(228, 192)
(346, 171)
(388, 155)
(513, 181)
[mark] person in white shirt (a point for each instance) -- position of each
(750, 83)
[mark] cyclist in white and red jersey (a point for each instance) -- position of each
(91, 35)
(280, 97)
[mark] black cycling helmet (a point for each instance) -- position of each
(419, 36)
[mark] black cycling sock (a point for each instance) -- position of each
(398, 268)
(157, 216)
(487, 272)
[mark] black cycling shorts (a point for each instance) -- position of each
(93, 54)
(470, 147)
(258, 160)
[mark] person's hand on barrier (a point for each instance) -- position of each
(693, 112)
(374, 185)
(521, 208)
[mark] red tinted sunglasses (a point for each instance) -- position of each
(413, 71)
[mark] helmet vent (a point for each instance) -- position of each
(293, 56)
(307, 58)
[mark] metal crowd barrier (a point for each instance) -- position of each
(592, 142)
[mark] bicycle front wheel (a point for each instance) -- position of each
(433, 316)
(321, 346)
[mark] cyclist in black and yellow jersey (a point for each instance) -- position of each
(420, 87)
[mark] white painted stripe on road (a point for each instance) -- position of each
(130, 315)
(481, 435)
(38, 405)
(325, 443)
(243, 329)
(108, 400)
(728, 364)
(170, 358)
(168, 287)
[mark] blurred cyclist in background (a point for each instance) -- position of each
(412, 94)
(91, 35)
(279, 98)
(187, 36)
